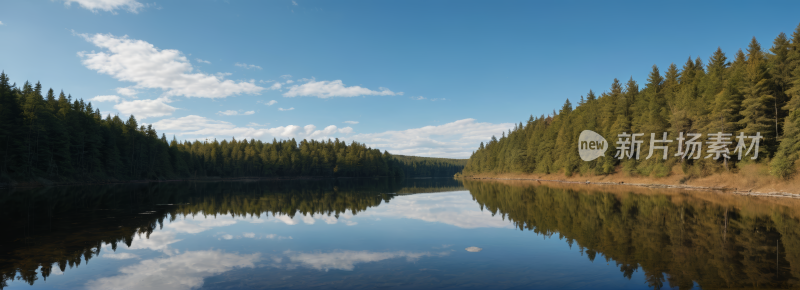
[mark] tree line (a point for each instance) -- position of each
(56, 137)
(757, 91)
(414, 166)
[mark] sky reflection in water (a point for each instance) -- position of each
(357, 238)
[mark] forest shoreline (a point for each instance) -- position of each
(751, 180)
(31, 184)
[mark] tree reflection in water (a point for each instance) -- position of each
(714, 239)
(677, 239)
(67, 226)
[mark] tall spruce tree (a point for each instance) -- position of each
(758, 100)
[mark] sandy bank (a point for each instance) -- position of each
(749, 180)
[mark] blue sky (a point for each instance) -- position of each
(427, 78)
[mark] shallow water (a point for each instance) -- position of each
(377, 233)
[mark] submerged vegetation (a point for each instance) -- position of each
(757, 90)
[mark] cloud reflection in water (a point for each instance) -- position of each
(184, 271)
(452, 208)
(346, 260)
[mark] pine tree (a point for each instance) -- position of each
(727, 101)
(756, 105)
(783, 165)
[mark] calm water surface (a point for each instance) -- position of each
(413, 234)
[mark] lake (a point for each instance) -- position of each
(379, 233)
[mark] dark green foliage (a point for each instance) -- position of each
(60, 139)
(759, 91)
(413, 166)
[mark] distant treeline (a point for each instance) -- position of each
(758, 91)
(53, 136)
(413, 166)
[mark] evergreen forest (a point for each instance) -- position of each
(56, 138)
(751, 91)
(414, 166)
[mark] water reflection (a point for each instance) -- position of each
(346, 260)
(55, 228)
(449, 208)
(678, 240)
(182, 271)
(382, 233)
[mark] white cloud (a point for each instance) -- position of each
(270, 103)
(110, 98)
(120, 256)
(282, 109)
(247, 66)
(307, 219)
(310, 220)
(346, 260)
(329, 219)
(202, 61)
(127, 91)
(227, 237)
(249, 235)
(329, 89)
(198, 126)
(234, 113)
(158, 241)
(424, 98)
(474, 249)
(286, 219)
(274, 236)
(198, 224)
(254, 124)
(286, 76)
(276, 86)
(351, 122)
(289, 81)
(56, 271)
(184, 271)
(294, 3)
(147, 66)
(454, 140)
(1, 23)
(108, 5)
(145, 108)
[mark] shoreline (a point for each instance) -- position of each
(748, 181)
(648, 185)
(52, 184)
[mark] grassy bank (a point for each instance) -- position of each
(750, 179)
